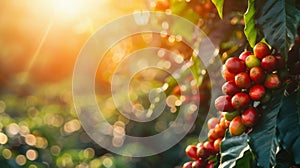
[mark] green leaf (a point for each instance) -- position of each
(288, 125)
(249, 17)
(246, 160)
(296, 151)
(233, 148)
(264, 133)
(278, 20)
(219, 5)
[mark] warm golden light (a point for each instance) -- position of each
(68, 8)
(43, 38)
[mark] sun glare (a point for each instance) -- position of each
(68, 8)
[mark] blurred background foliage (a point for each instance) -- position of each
(39, 43)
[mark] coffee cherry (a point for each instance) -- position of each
(210, 164)
(219, 131)
(200, 144)
(235, 65)
(257, 74)
(224, 123)
(198, 164)
(257, 92)
(236, 126)
(187, 165)
(242, 80)
(244, 55)
(212, 122)
(272, 81)
(249, 117)
(209, 146)
(269, 63)
(217, 143)
(223, 103)
(231, 115)
(227, 75)
(240, 101)
(230, 88)
(252, 61)
(211, 135)
(202, 152)
(191, 151)
(261, 50)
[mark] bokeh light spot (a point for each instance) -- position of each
(171, 100)
(72, 126)
(55, 150)
(107, 162)
(31, 154)
(95, 163)
(41, 142)
(24, 130)
(6, 153)
(89, 153)
(32, 166)
(3, 138)
(165, 25)
(21, 160)
(13, 129)
(30, 139)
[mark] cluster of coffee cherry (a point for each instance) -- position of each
(203, 152)
(250, 79)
